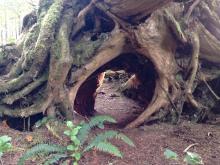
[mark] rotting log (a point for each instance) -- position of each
(66, 42)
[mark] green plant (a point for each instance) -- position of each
(170, 154)
(79, 143)
(5, 144)
(190, 158)
(43, 122)
(79, 135)
(74, 147)
(41, 149)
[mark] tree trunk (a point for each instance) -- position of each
(70, 42)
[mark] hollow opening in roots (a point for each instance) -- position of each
(204, 95)
(22, 124)
(96, 24)
(122, 88)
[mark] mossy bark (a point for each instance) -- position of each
(70, 40)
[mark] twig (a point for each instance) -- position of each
(190, 146)
(52, 131)
(211, 90)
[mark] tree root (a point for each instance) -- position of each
(160, 100)
(194, 68)
(209, 87)
(189, 12)
(112, 48)
(62, 26)
(60, 60)
(175, 26)
(40, 51)
(11, 98)
(37, 107)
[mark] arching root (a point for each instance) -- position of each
(159, 100)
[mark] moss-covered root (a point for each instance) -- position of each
(40, 52)
(11, 98)
(25, 60)
(60, 64)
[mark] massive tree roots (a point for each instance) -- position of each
(68, 42)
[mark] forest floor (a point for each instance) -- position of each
(150, 140)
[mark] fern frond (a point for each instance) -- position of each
(83, 133)
(125, 139)
(54, 159)
(108, 148)
(95, 121)
(100, 138)
(41, 148)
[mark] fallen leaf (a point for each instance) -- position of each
(29, 138)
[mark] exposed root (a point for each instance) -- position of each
(87, 9)
(40, 52)
(159, 100)
(36, 108)
(175, 26)
(112, 48)
(60, 64)
(118, 22)
(11, 98)
(119, 27)
(194, 68)
(15, 84)
(27, 45)
(189, 12)
(210, 45)
(209, 87)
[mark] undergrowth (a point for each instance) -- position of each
(80, 143)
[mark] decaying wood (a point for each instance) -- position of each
(72, 41)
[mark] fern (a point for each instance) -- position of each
(94, 122)
(43, 121)
(125, 139)
(41, 149)
(108, 148)
(102, 138)
(55, 158)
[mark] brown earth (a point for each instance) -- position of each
(150, 140)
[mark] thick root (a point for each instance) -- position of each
(159, 100)
(11, 98)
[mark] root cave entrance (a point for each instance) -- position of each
(22, 124)
(122, 88)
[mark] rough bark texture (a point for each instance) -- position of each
(68, 42)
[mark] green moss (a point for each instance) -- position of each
(52, 15)
(44, 6)
(31, 37)
(84, 49)
(2, 54)
(57, 49)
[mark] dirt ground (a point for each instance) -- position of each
(150, 140)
